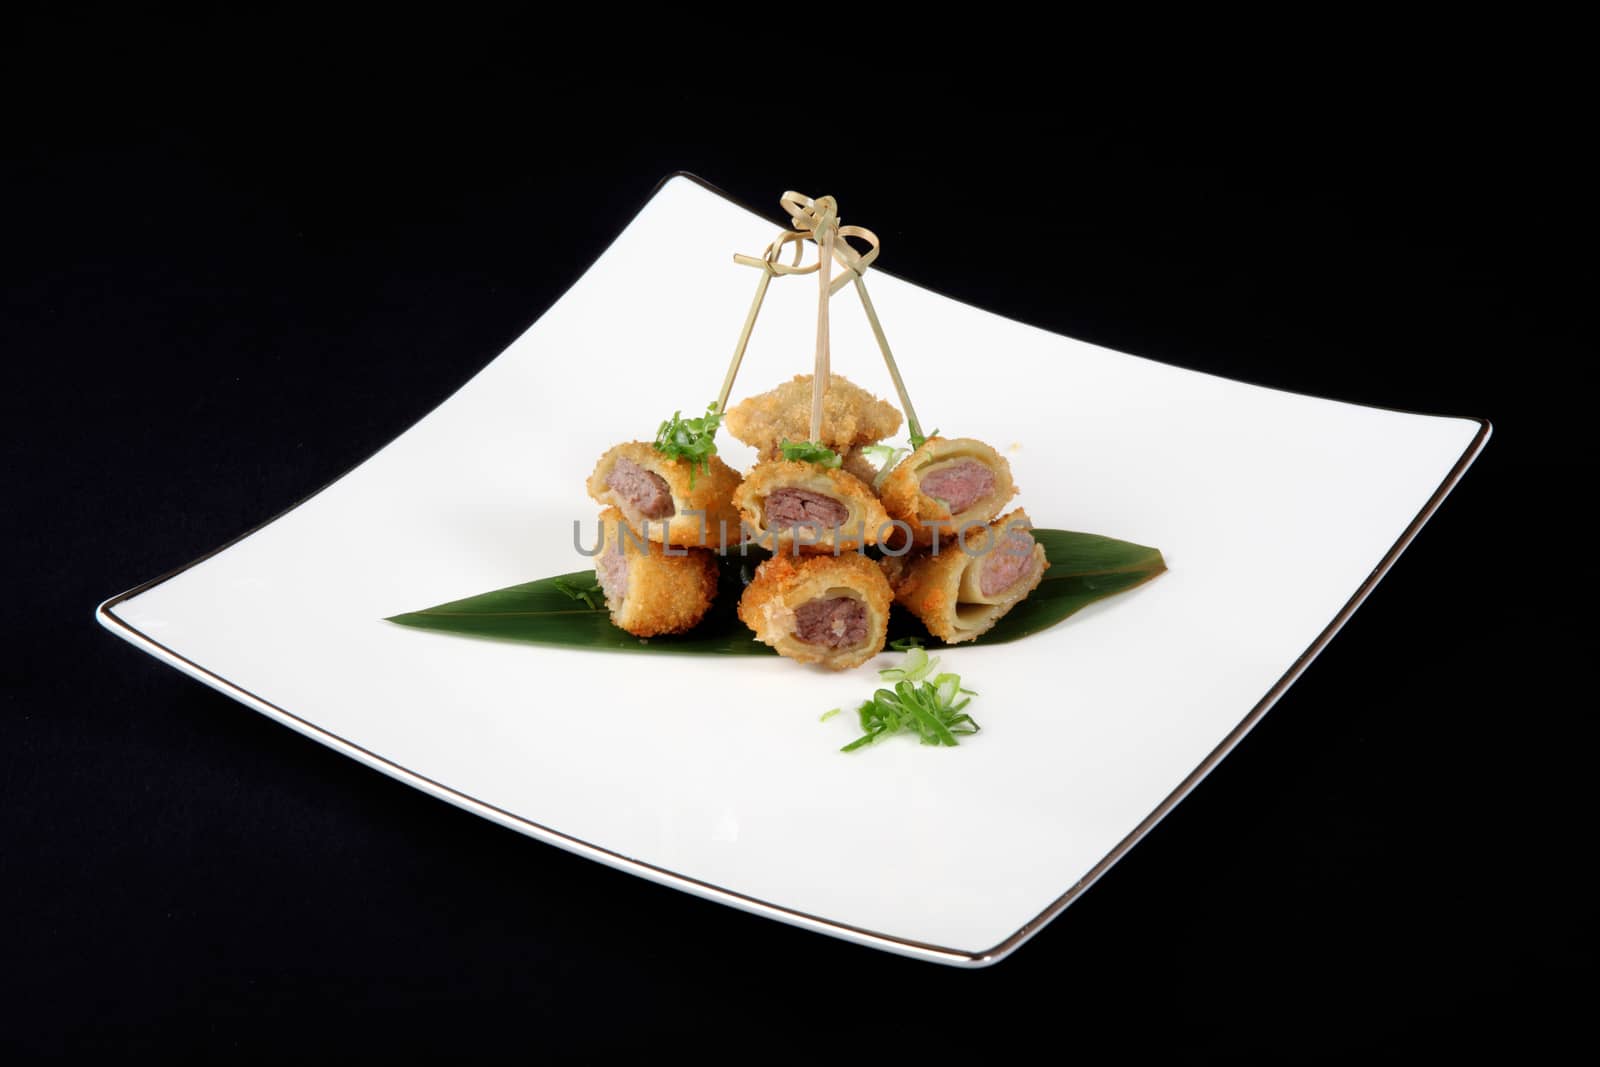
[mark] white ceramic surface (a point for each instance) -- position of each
(1276, 513)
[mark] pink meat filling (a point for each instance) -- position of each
(612, 570)
(838, 622)
(961, 485)
(645, 491)
(1006, 562)
(797, 507)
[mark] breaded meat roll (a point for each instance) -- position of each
(656, 496)
(858, 463)
(948, 482)
(648, 591)
(787, 505)
(961, 592)
(851, 416)
(831, 610)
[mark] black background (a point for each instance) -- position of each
(227, 281)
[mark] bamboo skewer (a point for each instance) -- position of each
(819, 379)
(744, 340)
(855, 265)
(818, 220)
(912, 425)
(770, 268)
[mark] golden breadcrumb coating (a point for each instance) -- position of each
(865, 516)
(904, 499)
(944, 589)
(850, 416)
(650, 592)
(783, 584)
(711, 493)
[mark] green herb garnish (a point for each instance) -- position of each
(829, 714)
(887, 456)
(690, 439)
(809, 452)
(914, 668)
(930, 709)
(578, 592)
(906, 644)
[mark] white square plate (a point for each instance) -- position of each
(1277, 514)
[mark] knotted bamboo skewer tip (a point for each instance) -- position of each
(817, 220)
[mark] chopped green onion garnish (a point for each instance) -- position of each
(932, 710)
(829, 714)
(887, 456)
(809, 452)
(578, 592)
(916, 667)
(690, 439)
(906, 644)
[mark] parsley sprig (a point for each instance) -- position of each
(809, 452)
(929, 708)
(692, 439)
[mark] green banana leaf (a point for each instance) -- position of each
(1084, 568)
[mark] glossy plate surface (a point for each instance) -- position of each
(1276, 512)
